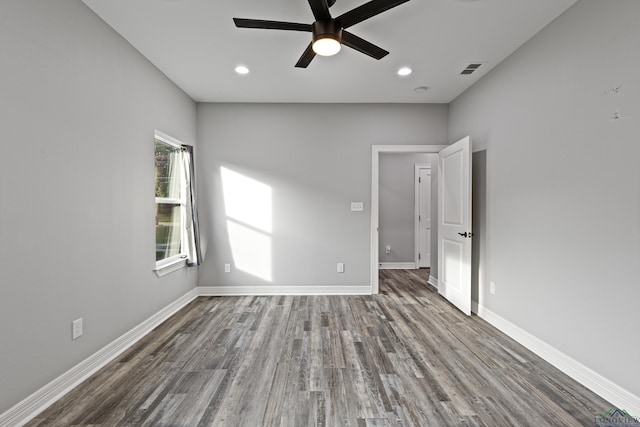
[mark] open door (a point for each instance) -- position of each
(454, 224)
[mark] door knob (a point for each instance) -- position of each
(463, 234)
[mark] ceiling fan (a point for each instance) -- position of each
(328, 33)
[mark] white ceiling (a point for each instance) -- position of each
(196, 44)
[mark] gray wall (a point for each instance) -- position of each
(397, 205)
(316, 159)
(479, 225)
(563, 205)
(78, 108)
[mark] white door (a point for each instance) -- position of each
(424, 217)
(454, 224)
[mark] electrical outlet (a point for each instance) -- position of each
(341, 267)
(492, 287)
(227, 268)
(76, 329)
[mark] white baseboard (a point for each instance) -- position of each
(30, 407)
(603, 387)
(218, 291)
(397, 266)
(433, 281)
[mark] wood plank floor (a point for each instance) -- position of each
(404, 357)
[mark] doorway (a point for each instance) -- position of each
(423, 218)
(376, 150)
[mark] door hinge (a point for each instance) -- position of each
(419, 256)
(419, 217)
(419, 179)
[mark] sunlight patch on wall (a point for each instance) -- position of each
(246, 200)
(251, 250)
(248, 207)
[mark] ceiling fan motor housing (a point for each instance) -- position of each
(326, 29)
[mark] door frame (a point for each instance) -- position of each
(416, 222)
(376, 150)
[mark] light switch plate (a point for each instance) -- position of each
(357, 206)
(76, 329)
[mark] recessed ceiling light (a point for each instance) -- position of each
(404, 71)
(421, 89)
(241, 69)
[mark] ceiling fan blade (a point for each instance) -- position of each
(320, 10)
(306, 57)
(271, 25)
(361, 45)
(366, 11)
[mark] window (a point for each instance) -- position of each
(175, 218)
(169, 200)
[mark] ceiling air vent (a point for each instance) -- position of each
(471, 68)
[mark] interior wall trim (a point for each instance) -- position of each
(397, 266)
(600, 385)
(433, 281)
(31, 406)
(218, 291)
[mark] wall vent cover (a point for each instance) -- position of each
(471, 68)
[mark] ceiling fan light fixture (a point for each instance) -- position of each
(326, 46)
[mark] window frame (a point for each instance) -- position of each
(178, 261)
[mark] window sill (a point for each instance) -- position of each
(167, 266)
